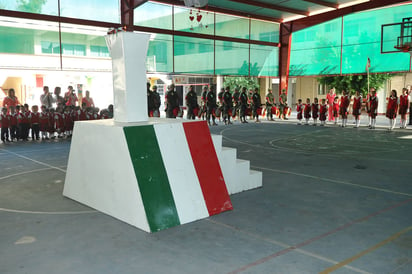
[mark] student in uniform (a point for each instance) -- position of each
(5, 124)
(373, 103)
(323, 112)
(336, 110)
(356, 108)
(344, 104)
(44, 123)
(299, 110)
(315, 111)
(403, 107)
(35, 123)
(306, 111)
(392, 109)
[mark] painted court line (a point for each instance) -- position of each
(361, 254)
(319, 237)
(25, 172)
(38, 162)
(298, 250)
(332, 181)
(47, 212)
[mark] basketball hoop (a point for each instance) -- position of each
(404, 48)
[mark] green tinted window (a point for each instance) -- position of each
(154, 15)
(264, 31)
(264, 60)
(316, 50)
(49, 7)
(102, 10)
(17, 40)
(320, 49)
(231, 26)
(193, 55)
(193, 20)
(232, 58)
(160, 53)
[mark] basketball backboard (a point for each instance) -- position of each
(397, 37)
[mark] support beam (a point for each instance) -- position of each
(212, 8)
(127, 12)
(303, 23)
(284, 55)
(271, 6)
(323, 3)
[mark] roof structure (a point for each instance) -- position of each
(282, 10)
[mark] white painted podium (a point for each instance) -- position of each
(128, 51)
(152, 174)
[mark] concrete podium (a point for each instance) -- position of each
(152, 174)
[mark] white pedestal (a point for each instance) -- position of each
(128, 51)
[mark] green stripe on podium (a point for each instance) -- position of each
(152, 178)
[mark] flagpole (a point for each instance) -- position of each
(368, 65)
(368, 80)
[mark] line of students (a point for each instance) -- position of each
(320, 111)
(19, 121)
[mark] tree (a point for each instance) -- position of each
(34, 6)
(239, 82)
(353, 83)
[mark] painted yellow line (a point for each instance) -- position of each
(357, 256)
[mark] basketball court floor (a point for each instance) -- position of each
(333, 200)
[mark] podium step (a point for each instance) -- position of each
(237, 173)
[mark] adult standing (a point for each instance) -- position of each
(58, 99)
(46, 99)
(270, 102)
(70, 98)
(172, 102)
(283, 103)
(235, 99)
(88, 100)
(256, 103)
(227, 105)
(11, 100)
(211, 106)
(243, 105)
(155, 101)
(191, 103)
(149, 102)
(203, 103)
(330, 97)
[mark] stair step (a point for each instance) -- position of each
(217, 142)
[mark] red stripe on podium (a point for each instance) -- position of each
(207, 167)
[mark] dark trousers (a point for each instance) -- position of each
(209, 113)
(24, 131)
(4, 133)
(190, 114)
(13, 132)
(35, 131)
